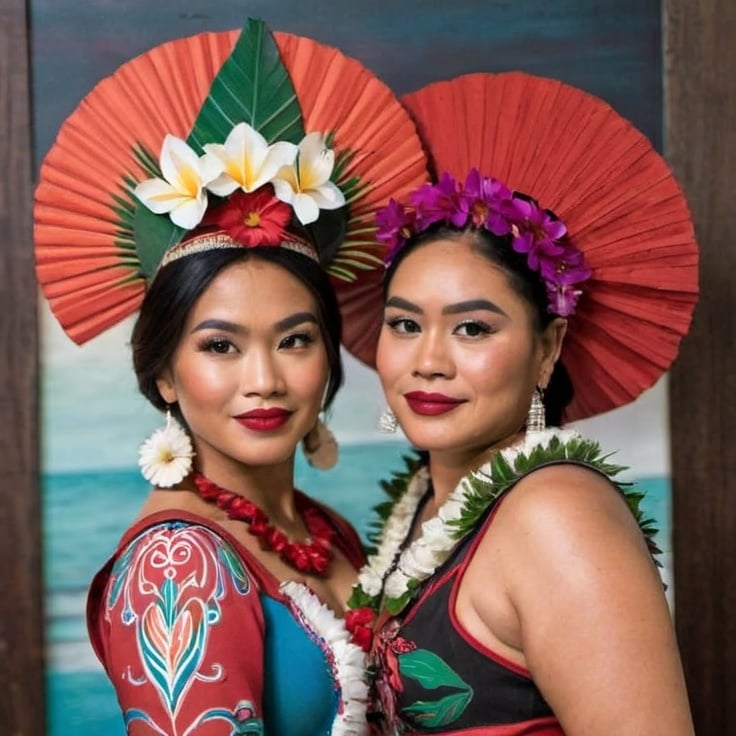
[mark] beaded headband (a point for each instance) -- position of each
(223, 241)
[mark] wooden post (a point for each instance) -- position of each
(700, 103)
(22, 711)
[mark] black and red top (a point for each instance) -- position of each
(434, 677)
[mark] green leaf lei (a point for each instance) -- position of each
(384, 581)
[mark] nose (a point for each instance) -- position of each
(433, 359)
(261, 375)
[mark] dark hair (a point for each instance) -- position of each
(526, 283)
(175, 289)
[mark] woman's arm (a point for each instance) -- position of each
(590, 618)
(182, 635)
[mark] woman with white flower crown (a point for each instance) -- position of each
(515, 591)
(221, 610)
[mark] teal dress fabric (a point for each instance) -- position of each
(299, 695)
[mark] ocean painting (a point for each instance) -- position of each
(93, 418)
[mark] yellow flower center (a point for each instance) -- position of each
(253, 219)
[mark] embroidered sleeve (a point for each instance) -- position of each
(183, 635)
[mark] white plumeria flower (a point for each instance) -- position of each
(371, 580)
(452, 508)
(396, 584)
(305, 184)
(181, 193)
(420, 559)
(436, 533)
(247, 161)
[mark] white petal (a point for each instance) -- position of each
(223, 186)
(280, 154)
(305, 208)
(328, 196)
(283, 190)
(312, 146)
(246, 149)
(246, 143)
(180, 166)
(315, 161)
(210, 167)
(190, 213)
(158, 195)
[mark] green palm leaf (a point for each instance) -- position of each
(253, 86)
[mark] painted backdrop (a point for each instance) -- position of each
(93, 419)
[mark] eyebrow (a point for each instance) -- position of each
(287, 323)
(294, 320)
(471, 305)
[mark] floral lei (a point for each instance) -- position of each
(346, 658)
(484, 202)
(392, 576)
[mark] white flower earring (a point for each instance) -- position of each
(320, 447)
(387, 422)
(165, 458)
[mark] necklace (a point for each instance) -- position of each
(309, 557)
(395, 572)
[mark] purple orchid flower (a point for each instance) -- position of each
(566, 268)
(484, 197)
(439, 202)
(563, 299)
(394, 224)
(534, 231)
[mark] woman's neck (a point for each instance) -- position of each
(448, 468)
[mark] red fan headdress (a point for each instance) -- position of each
(623, 213)
(246, 137)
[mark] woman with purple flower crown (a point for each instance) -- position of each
(515, 582)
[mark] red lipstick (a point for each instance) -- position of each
(264, 420)
(431, 404)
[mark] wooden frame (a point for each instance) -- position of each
(700, 65)
(21, 617)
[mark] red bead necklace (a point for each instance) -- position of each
(309, 557)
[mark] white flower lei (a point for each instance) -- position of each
(439, 535)
(347, 660)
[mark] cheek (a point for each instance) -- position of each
(501, 368)
(310, 379)
(202, 382)
(385, 358)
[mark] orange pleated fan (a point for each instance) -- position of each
(617, 197)
(87, 263)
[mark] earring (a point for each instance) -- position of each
(165, 458)
(535, 421)
(387, 422)
(320, 447)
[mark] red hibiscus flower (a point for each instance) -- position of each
(359, 622)
(252, 219)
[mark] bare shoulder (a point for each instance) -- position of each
(564, 499)
(570, 526)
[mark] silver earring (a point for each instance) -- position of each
(320, 447)
(535, 421)
(165, 458)
(387, 422)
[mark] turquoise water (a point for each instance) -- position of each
(85, 514)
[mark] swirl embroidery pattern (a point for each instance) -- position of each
(169, 584)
